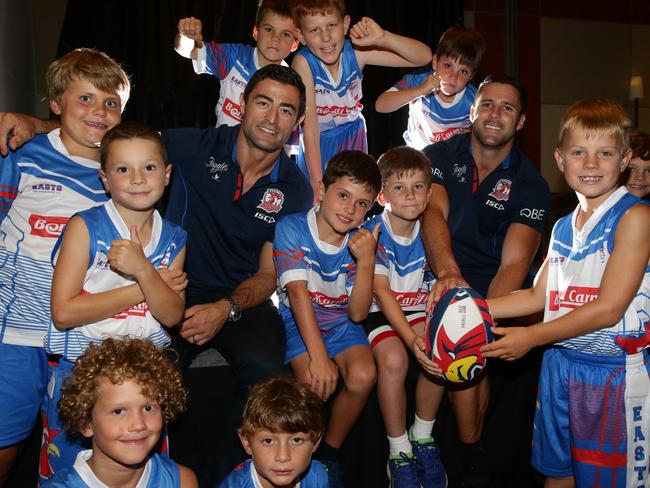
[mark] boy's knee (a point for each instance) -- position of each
(361, 378)
(393, 364)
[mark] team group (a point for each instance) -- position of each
(96, 284)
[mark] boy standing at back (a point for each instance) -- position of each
(325, 271)
(234, 64)
(593, 404)
(439, 99)
(44, 183)
(331, 68)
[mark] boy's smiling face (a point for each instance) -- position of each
(324, 35)
(406, 194)
(275, 38)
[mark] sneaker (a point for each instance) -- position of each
(334, 473)
(431, 471)
(402, 471)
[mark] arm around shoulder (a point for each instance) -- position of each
(188, 478)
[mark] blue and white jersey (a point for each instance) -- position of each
(233, 65)
(329, 271)
(245, 476)
(576, 263)
(104, 225)
(159, 472)
(403, 261)
(431, 119)
(41, 186)
(337, 101)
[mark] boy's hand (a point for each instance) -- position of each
(191, 28)
(363, 244)
(513, 344)
(418, 347)
(323, 376)
(430, 85)
(442, 284)
(15, 130)
(366, 32)
(127, 257)
(176, 279)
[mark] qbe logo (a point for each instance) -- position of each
(47, 226)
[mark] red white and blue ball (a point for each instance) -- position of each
(459, 325)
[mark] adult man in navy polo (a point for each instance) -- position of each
(482, 227)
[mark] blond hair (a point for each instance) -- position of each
(597, 117)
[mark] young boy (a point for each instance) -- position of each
(638, 175)
(402, 282)
(325, 271)
(331, 68)
(591, 423)
(234, 64)
(43, 184)
(106, 280)
(283, 422)
(119, 394)
(439, 99)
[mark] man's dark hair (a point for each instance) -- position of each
(282, 74)
(357, 165)
(505, 80)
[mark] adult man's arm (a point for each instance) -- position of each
(203, 322)
(16, 129)
(517, 254)
(437, 243)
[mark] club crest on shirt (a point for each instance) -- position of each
(272, 200)
(501, 190)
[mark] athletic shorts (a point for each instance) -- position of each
(347, 136)
(378, 328)
(23, 376)
(336, 339)
(593, 418)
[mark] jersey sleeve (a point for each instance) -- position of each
(532, 203)
(412, 80)
(288, 255)
(9, 180)
(438, 156)
(219, 59)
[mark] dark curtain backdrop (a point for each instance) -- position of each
(166, 92)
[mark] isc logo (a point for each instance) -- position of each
(47, 226)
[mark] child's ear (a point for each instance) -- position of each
(627, 157)
(243, 438)
(316, 444)
(87, 431)
(559, 159)
(255, 33)
(381, 198)
(298, 34)
(434, 62)
(321, 190)
(55, 106)
(107, 185)
(346, 24)
(168, 173)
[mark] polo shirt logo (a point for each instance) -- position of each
(459, 172)
(501, 190)
(216, 168)
(272, 201)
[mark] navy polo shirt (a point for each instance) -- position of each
(479, 215)
(226, 228)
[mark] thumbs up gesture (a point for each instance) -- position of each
(127, 257)
(363, 244)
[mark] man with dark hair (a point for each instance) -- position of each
(482, 227)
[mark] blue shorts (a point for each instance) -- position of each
(347, 136)
(593, 418)
(59, 449)
(337, 339)
(23, 376)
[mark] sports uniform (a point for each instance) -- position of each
(42, 185)
(104, 224)
(329, 271)
(431, 119)
(479, 214)
(245, 476)
(403, 261)
(594, 397)
(338, 106)
(159, 472)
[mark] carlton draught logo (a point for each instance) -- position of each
(232, 109)
(47, 226)
(324, 300)
(411, 299)
(573, 297)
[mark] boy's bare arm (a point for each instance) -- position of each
(393, 99)
(16, 129)
(383, 48)
(310, 127)
(617, 289)
(189, 38)
(69, 307)
(322, 372)
(363, 246)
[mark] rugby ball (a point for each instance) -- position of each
(458, 326)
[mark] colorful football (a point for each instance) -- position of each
(458, 326)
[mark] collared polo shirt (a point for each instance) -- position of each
(226, 228)
(480, 214)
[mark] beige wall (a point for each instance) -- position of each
(582, 59)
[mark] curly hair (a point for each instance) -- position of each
(137, 360)
(283, 404)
